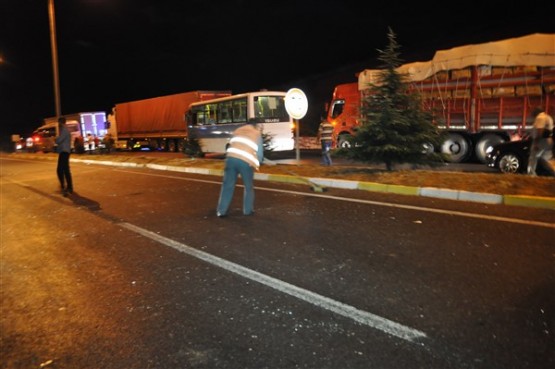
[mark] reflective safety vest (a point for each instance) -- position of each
(244, 145)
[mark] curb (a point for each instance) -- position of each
(440, 193)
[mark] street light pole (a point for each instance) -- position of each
(54, 48)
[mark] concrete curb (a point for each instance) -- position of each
(440, 193)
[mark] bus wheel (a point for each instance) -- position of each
(456, 147)
(343, 142)
(483, 143)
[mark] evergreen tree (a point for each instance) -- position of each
(394, 128)
(192, 148)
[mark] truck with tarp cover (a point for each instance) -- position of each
(481, 94)
(156, 123)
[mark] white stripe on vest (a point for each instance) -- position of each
(245, 141)
(245, 154)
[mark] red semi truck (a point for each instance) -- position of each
(156, 123)
(480, 94)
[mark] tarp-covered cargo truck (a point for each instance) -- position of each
(480, 94)
(156, 123)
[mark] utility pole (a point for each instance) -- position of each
(54, 48)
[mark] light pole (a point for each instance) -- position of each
(54, 48)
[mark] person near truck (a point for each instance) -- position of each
(63, 142)
(244, 155)
(325, 134)
(542, 142)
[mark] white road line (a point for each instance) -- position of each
(360, 316)
(378, 203)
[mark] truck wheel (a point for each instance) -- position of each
(456, 147)
(428, 148)
(181, 145)
(483, 143)
(343, 142)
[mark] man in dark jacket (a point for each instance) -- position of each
(63, 142)
(542, 142)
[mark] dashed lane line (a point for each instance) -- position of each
(360, 316)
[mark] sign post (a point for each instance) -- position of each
(296, 105)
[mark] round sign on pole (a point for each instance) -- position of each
(296, 103)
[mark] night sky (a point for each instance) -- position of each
(113, 51)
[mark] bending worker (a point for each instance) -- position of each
(243, 156)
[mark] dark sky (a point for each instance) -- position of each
(112, 51)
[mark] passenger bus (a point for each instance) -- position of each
(212, 122)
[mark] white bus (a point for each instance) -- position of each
(212, 122)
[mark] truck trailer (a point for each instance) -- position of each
(80, 125)
(481, 94)
(156, 123)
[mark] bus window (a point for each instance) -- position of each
(211, 117)
(199, 118)
(225, 112)
(240, 111)
(270, 109)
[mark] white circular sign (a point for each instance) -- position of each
(296, 103)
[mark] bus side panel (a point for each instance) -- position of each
(281, 136)
(206, 134)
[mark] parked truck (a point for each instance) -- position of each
(156, 123)
(80, 125)
(481, 94)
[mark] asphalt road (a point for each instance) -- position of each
(136, 271)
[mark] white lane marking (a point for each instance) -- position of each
(360, 316)
(378, 203)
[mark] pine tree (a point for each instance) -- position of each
(394, 128)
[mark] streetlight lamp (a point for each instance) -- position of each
(54, 48)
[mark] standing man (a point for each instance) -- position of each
(542, 141)
(64, 149)
(243, 156)
(325, 133)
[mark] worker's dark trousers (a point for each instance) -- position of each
(64, 174)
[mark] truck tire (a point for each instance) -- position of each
(456, 148)
(180, 145)
(483, 143)
(428, 148)
(343, 142)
